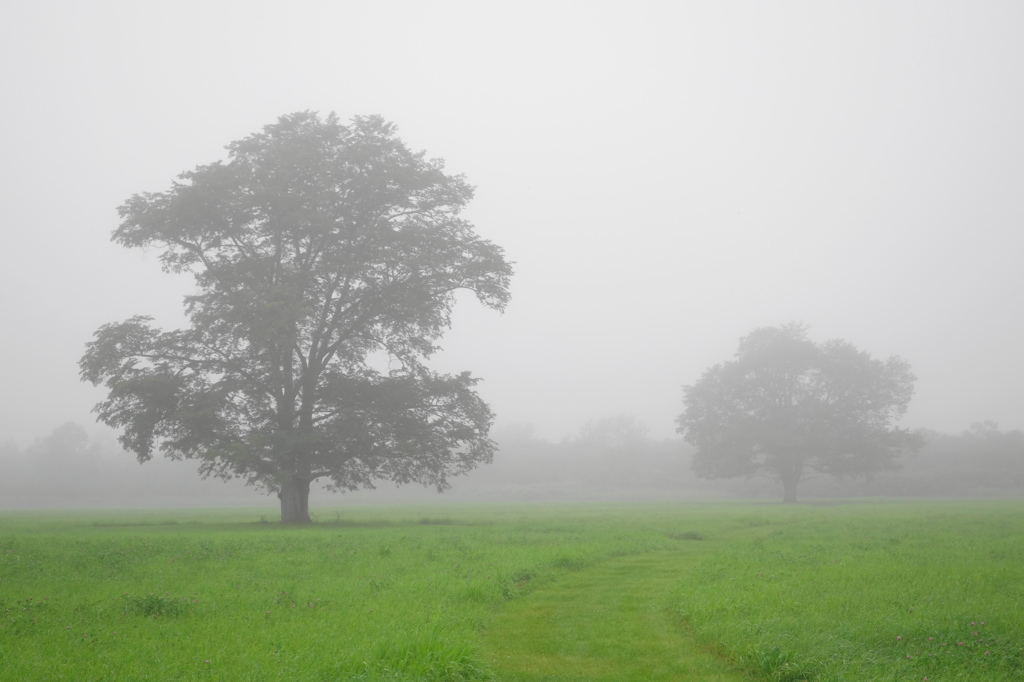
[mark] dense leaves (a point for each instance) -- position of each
(326, 258)
(787, 406)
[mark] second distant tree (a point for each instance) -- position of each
(788, 407)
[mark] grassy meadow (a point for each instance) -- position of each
(723, 591)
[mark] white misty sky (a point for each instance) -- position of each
(667, 176)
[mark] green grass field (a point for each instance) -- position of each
(879, 591)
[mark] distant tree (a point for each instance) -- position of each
(983, 459)
(63, 462)
(616, 434)
(517, 435)
(615, 452)
(11, 471)
(984, 444)
(67, 447)
(322, 253)
(523, 459)
(786, 406)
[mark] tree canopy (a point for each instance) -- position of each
(326, 258)
(787, 406)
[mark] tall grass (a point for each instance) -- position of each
(879, 592)
(367, 595)
(785, 593)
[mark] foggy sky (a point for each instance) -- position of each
(667, 176)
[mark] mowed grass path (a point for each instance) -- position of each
(609, 622)
(849, 593)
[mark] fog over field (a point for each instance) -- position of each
(667, 176)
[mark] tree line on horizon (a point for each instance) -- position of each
(612, 458)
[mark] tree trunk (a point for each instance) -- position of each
(295, 500)
(790, 470)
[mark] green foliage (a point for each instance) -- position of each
(772, 664)
(514, 582)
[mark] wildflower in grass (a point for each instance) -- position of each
(898, 638)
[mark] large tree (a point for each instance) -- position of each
(787, 406)
(327, 257)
